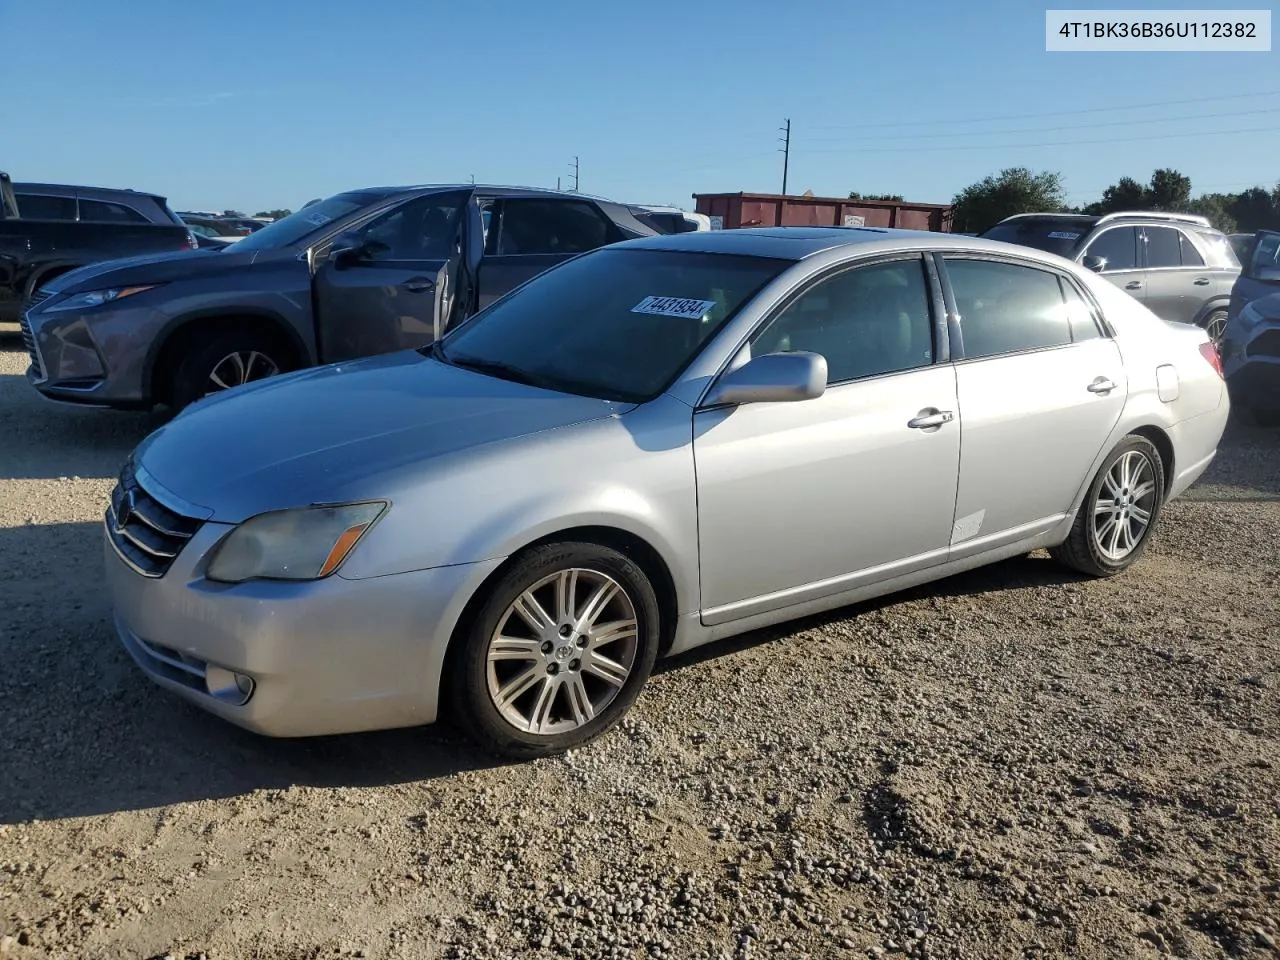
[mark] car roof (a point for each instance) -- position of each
(89, 193)
(796, 243)
(491, 189)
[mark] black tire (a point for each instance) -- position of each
(1214, 324)
(471, 694)
(193, 374)
(1082, 550)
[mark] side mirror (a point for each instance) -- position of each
(1096, 264)
(772, 378)
(346, 250)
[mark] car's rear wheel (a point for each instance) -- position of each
(558, 651)
(1215, 324)
(1119, 511)
(227, 360)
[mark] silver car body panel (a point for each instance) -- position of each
(760, 513)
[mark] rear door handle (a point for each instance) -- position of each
(1201, 281)
(926, 420)
(1101, 385)
(419, 285)
(1133, 285)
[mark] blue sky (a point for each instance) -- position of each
(229, 103)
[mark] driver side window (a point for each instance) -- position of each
(425, 228)
(866, 322)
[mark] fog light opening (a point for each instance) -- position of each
(229, 687)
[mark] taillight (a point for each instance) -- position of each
(1209, 350)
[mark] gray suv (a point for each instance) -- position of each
(1175, 263)
(362, 273)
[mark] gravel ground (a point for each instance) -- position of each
(1011, 763)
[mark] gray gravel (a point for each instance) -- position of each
(1011, 763)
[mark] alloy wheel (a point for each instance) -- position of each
(562, 651)
(1216, 326)
(1123, 508)
(239, 368)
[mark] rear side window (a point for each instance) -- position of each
(99, 211)
(1220, 253)
(1163, 249)
(550, 226)
(38, 206)
(1084, 325)
(1007, 308)
(1118, 246)
(1190, 255)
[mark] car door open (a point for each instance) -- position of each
(390, 284)
(804, 500)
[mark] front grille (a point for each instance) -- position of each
(146, 533)
(40, 296)
(29, 341)
(1267, 345)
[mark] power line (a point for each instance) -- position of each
(1060, 143)
(1030, 116)
(1081, 126)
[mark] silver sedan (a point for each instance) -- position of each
(650, 447)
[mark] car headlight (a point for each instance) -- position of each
(308, 543)
(97, 298)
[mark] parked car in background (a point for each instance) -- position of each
(669, 220)
(645, 449)
(1176, 264)
(48, 229)
(1242, 244)
(364, 272)
(211, 227)
(1251, 342)
(1260, 275)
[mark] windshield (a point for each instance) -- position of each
(297, 225)
(1051, 234)
(615, 324)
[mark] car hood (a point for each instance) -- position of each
(150, 268)
(336, 433)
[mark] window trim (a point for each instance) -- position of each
(1139, 254)
(611, 231)
(75, 204)
(1186, 236)
(955, 329)
(80, 211)
(933, 297)
(1146, 260)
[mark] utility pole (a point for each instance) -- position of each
(473, 179)
(575, 174)
(786, 152)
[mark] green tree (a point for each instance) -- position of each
(1169, 190)
(232, 213)
(1256, 209)
(1126, 194)
(1217, 207)
(274, 214)
(855, 195)
(982, 205)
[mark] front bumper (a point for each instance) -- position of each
(324, 657)
(95, 358)
(1251, 362)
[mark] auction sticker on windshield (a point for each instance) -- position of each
(674, 307)
(319, 219)
(1063, 235)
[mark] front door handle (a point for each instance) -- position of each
(419, 285)
(1101, 385)
(1133, 285)
(927, 419)
(1201, 281)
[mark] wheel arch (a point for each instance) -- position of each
(1164, 446)
(626, 542)
(46, 272)
(166, 349)
(1210, 306)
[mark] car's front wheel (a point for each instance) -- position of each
(558, 651)
(227, 360)
(1119, 511)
